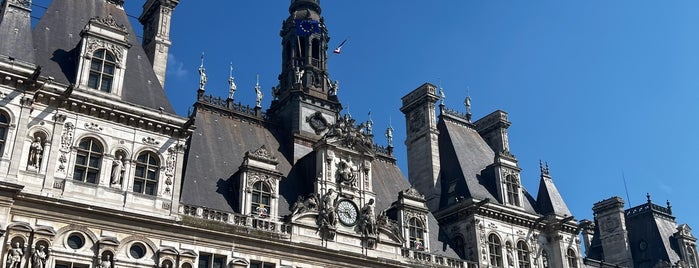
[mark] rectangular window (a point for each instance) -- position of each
(61, 264)
(208, 260)
(259, 264)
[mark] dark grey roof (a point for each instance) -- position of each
(469, 159)
(215, 154)
(656, 228)
(57, 39)
(388, 182)
(549, 199)
(16, 36)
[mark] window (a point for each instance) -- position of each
(691, 259)
(88, 161)
(459, 245)
(512, 190)
(102, 69)
(208, 260)
(261, 195)
(495, 250)
(545, 259)
(259, 264)
(146, 178)
(4, 124)
(416, 233)
(62, 264)
(76, 241)
(137, 251)
(523, 254)
(572, 260)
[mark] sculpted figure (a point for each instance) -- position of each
(328, 215)
(35, 151)
(39, 257)
(106, 263)
(368, 224)
(117, 169)
(298, 206)
(14, 256)
(299, 75)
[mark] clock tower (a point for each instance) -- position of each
(305, 101)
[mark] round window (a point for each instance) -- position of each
(137, 251)
(76, 241)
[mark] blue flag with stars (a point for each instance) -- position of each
(307, 27)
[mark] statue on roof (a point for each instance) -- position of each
(202, 74)
(231, 83)
(258, 93)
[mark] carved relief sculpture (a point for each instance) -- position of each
(298, 74)
(368, 220)
(327, 218)
(106, 263)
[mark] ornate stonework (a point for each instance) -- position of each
(349, 135)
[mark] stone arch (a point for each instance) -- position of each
(101, 140)
(39, 131)
(146, 149)
(68, 229)
(121, 150)
(152, 248)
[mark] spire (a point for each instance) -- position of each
(231, 83)
(549, 199)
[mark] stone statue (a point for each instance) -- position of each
(298, 206)
(14, 256)
(389, 136)
(368, 220)
(231, 84)
(202, 74)
(258, 93)
(35, 151)
(39, 257)
(311, 202)
(369, 126)
(299, 75)
(276, 91)
(117, 170)
(106, 263)
(328, 215)
(334, 88)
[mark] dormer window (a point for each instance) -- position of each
(416, 233)
(512, 188)
(102, 71)
(261, 195)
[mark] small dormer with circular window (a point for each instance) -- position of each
(103, 53)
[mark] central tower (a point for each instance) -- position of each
(305, 101)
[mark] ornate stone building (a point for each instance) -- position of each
(97, 170)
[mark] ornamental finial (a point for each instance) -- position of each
(258, 93)
(202, 74)
(467, 103)
(231, 83)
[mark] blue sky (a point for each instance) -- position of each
(600, 89)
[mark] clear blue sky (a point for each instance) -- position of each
(597, 88)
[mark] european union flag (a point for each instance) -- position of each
(307, 27)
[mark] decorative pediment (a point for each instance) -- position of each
(263, 155)
(109, 241)
(45, 230)
(412, 193)
(109, 21)
(345, 133)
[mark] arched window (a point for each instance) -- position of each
(523, 255)
(691, 258)
(88, 161)
(545, 259)
(315, 52)
(495, 250)
(572, 260)
(261, 196)
(512, 190)
(459, 245)
(4, 124)
(102, 69)
(146, 177)
(416, 233)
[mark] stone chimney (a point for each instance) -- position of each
(610, 217)
(156, 19)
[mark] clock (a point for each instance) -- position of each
(348, 212)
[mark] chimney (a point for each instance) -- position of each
(156, 19)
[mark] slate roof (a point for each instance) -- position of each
(17, 44)
(468, 157)
(655, 225)
(57, 38)
(550, 200)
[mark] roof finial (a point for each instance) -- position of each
(258, 92)
(442, 97)
(231, 84)
(369, 125)
(467, 102)
(669, 207)
(648, 197)
(544, 168)
(202, 74)
(389, 134)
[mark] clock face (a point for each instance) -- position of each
(347, 212)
